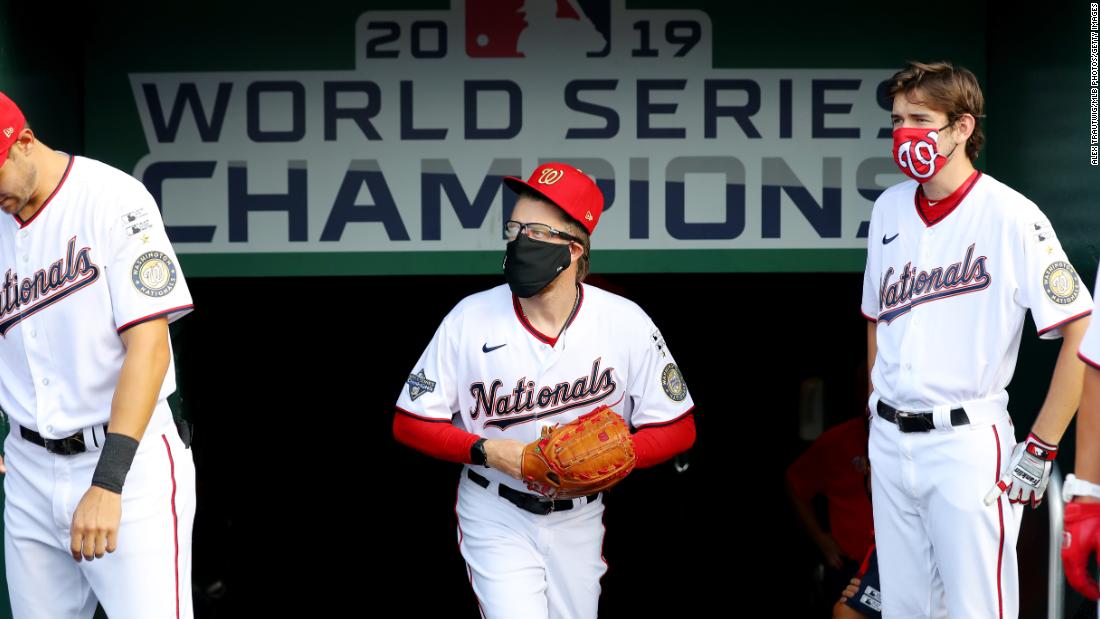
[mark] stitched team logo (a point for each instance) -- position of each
(1060, 283)
(154, 274)
(23, 298)
(419, 385)
(550, 176)
(673, 383)
(914, 286)
(504, 408)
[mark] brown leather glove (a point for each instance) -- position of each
(589, 454)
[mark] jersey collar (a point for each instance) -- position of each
(538, 334)
(932, 214)
(24, 224)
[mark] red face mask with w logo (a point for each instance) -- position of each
(915, 152)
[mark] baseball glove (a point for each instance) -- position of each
(589, 454)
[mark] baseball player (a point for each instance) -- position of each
(541, 350)
(835, 466)
(93, 461)
(955, 259)
(1081, 490)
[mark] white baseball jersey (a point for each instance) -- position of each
(950, 298)
(1089, 351)
(92, 262)
(490, 371)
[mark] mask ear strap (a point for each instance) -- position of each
(940, 131)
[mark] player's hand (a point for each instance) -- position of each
(843, 611)
(831, 551)
(3, 468)
(506, 456)
(1081, 540)
(95, 524)
(1028, 473)
(849, 591)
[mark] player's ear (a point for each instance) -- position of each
(576, 251)
(24, 143)
(964, 126)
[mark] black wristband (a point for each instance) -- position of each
(114, 462)
(477, 453)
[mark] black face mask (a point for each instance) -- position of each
(530, 266)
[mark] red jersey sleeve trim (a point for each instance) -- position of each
(162, 314)
(1082, 357)
(1064, 322)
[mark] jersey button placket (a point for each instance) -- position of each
(549, 358)
(37, 347)
(907, 323)
(926, 249)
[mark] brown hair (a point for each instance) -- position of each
(572, 226)
(944, 88)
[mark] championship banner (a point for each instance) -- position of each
(394, 166)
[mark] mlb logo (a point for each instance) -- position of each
(494, 28)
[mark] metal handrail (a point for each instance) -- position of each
(1056, 583)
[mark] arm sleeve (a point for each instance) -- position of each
(656, 387)
(1089, 352)
(437, 438)
(143, 273)
(872, 272)
(429, 391)
(657, 443)
(1047, 283)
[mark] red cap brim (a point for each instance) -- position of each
(518, 185)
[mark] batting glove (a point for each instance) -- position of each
(1028, 473)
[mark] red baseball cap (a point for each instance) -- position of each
(11, 125)
(568, 188)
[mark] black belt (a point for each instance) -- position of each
(918, 421)
(530, 502)
(68, 446)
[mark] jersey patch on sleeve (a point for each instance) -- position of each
(658, 342)
(137, 227)
(419, 385)
(673, 383)
(154, 274)
(1042, 231)
(1061, 283)
(134, 216)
